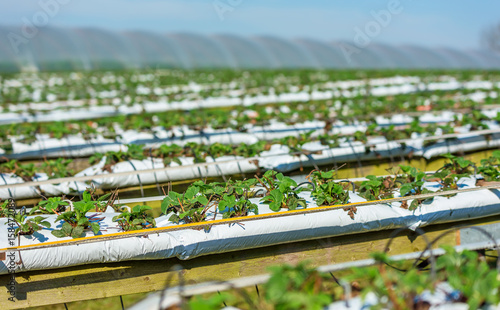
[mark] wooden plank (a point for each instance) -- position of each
(38, 288)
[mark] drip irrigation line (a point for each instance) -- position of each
(203, 225)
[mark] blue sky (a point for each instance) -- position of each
(430, 23)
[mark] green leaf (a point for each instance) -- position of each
(86, 196)
(59, 234)
(137, 221)
(83, 221)
(77, 232)
(275, 206)
(405, 189)
(191, 192)
(66, 228)
(414, 205)
(38, 219)
(202, 200)
(45, 224)
(95, 228)
(174, 218)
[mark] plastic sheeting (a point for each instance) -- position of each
(77, 146)
(189, 243)
(185, 173)
(277, 158)
(36, 191)
(55, 48)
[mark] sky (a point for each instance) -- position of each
(449, 23)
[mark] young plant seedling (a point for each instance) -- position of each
(458, 165)
(190, 207)
(76, 221)
(24, 171)
(282, 192)
(377, 188)
(489, 168)
(135, 219)
(413, 182)
(28, 226)
(229, 206)
(51, 205)
(169, 154)
(57, 168)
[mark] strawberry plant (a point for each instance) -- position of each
(135, 219)
(51, 205)
(28, 226)
(295, 143)
(250, 150)
(326, 192)
(190, 207)
(169, 154)
(465, 272)
(489, 168)
(447, 179)
(134, 151)
(414, 180)
(218, 149)
(97, 157)
(474, 120)
(58, 130)
(282, 192)
(195, 150)
(212, 191)
(319, 177)
(75, 221)
(4, 208)
(229, 206)
(240, 188)
(57, 168)
(24, 171)
(360, 136)
(331, 193)
(376, 188)
(458, 165)
(332, 141)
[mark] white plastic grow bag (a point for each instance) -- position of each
(346, 152)
(464, 143)
(71, 146)
(186, 173)
(276, 158)
(182, 135)
(189, 243)
(76, 146)
(31, 191)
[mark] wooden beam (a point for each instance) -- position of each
(37, 288)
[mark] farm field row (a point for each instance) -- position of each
(232, 144)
